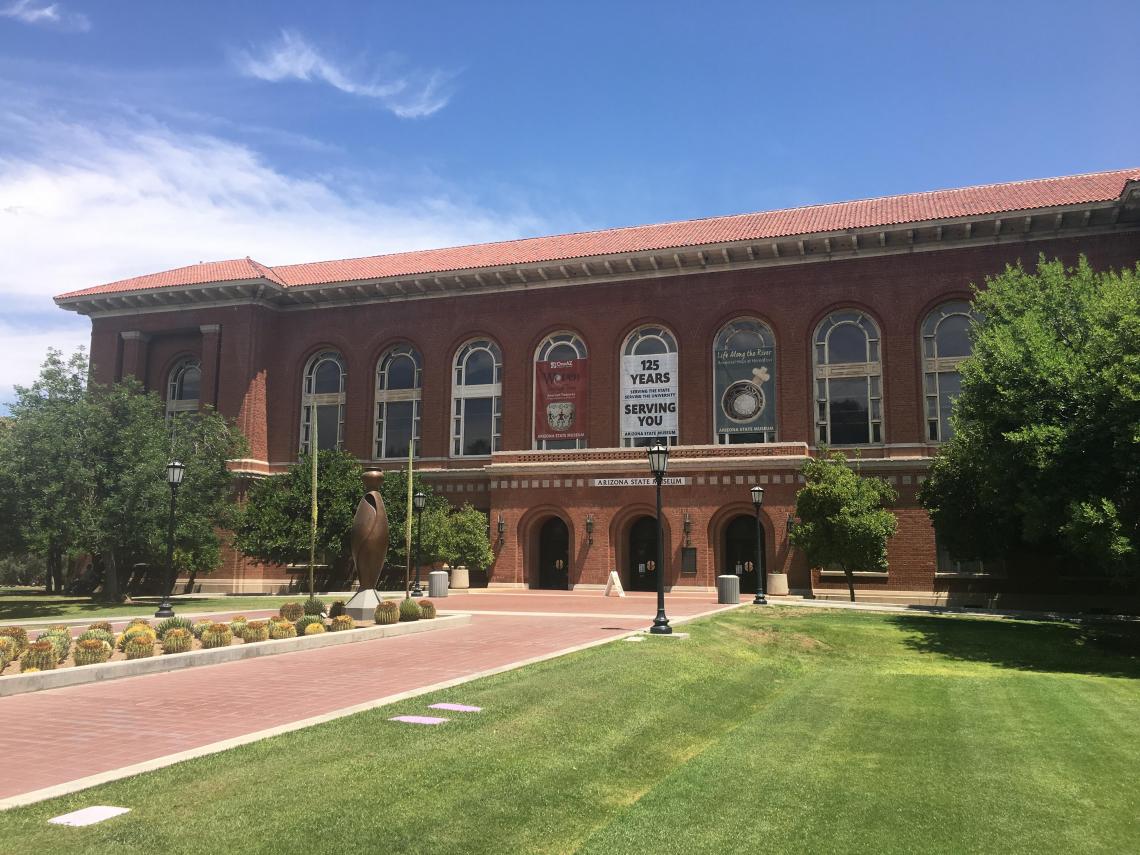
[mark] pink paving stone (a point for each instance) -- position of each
(455, 707)
(418, 719)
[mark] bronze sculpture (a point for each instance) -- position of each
(369, 538)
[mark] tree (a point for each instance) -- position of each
(842, 518)
(433, 523)
(1046, 449)
(467, 541)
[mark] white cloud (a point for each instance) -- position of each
(52, 15)
(410, 95)
(81, 206)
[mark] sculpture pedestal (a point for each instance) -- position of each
(362, 606)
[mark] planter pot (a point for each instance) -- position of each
(460, 578)
(778, 584)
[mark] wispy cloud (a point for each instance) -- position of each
(51, 15)
(410, 95)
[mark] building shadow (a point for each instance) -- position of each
(1095, 647)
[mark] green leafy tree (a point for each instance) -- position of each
(1046, 449)
(467, 540)
(842, 519)
(433, 524)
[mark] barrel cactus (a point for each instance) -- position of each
(139, 621)
(98, 635)
(92, 651)
(409, 610)
(387, 612)
(7, 651)
(164, 626)
(256, 630)
(292, 612)
(61, 638)
(139, 647)
(104, 625)
(200, 626)
(282, 629)
(39, 656)
(137, 631)
(17, 634)
(178, 639)
(341, 623)
(313, 606)
(336, 609)
(315, 628)
(217, 635)
(307, 621)
(427, 609)
(237, 625)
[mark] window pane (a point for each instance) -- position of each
(561, 352)
(326, 379)
(954, 336)
(401, 373)
(849, 423)
(648, 346)
(477, 418)
(740, 438)
(328, 426)
(847, 343)
(949, 388)
(479, 369)
(398, 428)
(191, 382)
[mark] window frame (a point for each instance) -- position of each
(311, 401)
(461, 393)
(561, 338)
(824, 371)
(383, 396)
(934, 366)
(628, 348)
(723, 332)
(174, 379)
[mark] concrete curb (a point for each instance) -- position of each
(18, 684)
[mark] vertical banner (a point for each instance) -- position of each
(649, 396)
(561, 396)
(745, 389)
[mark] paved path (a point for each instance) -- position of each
(52, 739)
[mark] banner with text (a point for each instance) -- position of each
(649, 396)
(561, 395)
(745, 390)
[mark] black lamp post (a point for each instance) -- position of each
(174, 472)
(419, 502)
(757, 501)
(658, 463)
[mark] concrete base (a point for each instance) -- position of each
(363, 605)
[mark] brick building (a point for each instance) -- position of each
(532, 372)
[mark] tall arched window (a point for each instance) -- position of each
(322, 396)
(848, 380)
(398, 381)
(182, 388)
(945, 343)
(568, 413)
(744, 382)
(649, 401)
(477, 414)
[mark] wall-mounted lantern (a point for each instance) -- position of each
(589, 529)
(688, 530)
(502, 529)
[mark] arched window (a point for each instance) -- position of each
(398, 382)
(477, 422)
(848, 380)
(744, 382)
(945, 343)
(182, 388)
(322, 394)
(561, 395)
(649, 400)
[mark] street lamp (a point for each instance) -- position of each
(419, 502)
(757, 501)
(174, 472)
(658, 463)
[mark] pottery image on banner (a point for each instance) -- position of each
(560, 416)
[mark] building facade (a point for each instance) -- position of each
(530, 374)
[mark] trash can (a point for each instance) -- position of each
(460, 578)
(437, 584)
(728, 589)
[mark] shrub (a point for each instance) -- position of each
(341, 623)
(388, 611)
(139, 647)
(217, 635)
(104, 625)
(237, 626)
(292, 612)
(17, 634)
(60, 639)
(307, 621)
(315, 628)
(98, 635)
(336, 609)
(39, 656)
(409, 610)
(170, 623)
(257, 630)
(313, 606)
(136, 631)
(201, 626)
(282, 629)
(92, 651)
(178, 639)
(427, 609)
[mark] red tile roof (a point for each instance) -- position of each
(792, 222)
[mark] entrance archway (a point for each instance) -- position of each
(740, 551)
(641, 569)
(554, 555)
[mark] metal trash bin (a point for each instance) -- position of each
(437, 584)
(728, 589)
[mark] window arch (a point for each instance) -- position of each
(183, 387)
(399, 377)
(744, 382)
(562, 347)
(649, 400)
(848, 379)
(945, 343)
(477, 412)
(322, 396)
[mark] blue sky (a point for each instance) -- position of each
(137, 136)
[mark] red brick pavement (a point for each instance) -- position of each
(60, 735)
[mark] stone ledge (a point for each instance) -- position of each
(18, 684)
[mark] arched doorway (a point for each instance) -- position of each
(554, 555)
(641, 570)
(740, 551)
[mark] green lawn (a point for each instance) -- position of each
(781, 730)
(18, 604)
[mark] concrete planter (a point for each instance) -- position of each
(460, 578)
(778, 584)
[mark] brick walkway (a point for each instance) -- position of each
(50, 738)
